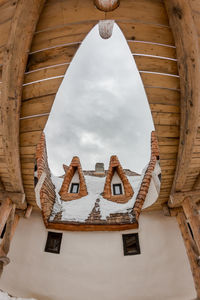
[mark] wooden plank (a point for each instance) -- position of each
(30, 138)
(4, 32)
(153, 64)
(152, 49)
(146, 32)
(45, 73)
(52, 56)
(27, 150)
(167, 131)
(160, 81)
(166, 118)
(40, 89)
(168, 149)
(36, 106)
(62, 35)
(147, 12)
(15, 58)
(167, 141)
(184, 31)
(33, 124)
(57, 13)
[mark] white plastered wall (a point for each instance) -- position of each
(91, 265)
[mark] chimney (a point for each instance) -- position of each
(99, 168)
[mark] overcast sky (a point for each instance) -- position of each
(101, 108)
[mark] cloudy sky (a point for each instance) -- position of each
(101, 108)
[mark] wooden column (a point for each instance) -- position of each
(5, 209)
(193, 217)
(15, 59)
(5, 244)
(188, 55)
(189, 245)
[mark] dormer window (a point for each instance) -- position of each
(117, 189)
(74, 188)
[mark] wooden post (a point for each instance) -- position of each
(193, 217)
(190, 250)
(188, 54)
(5, 244)
(5, 209)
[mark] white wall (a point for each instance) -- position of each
(75, 179)
(91, 265)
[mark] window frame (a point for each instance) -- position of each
(137, 244)
(50, 235)
(72, 186)
(120, 187)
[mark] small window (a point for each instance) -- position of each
(53, 242)
(131, 244)
(74, 188)
(117, 189)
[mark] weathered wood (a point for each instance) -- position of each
(179, 197)
(17, 198)
(85, 227)
(137, 47)
(186, 41)
(28, 211)
(5, 209)
(190, 250)
(106, 6)
(193, 216)
(5, 246)
(15, 58)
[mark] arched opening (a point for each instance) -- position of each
(101, 114)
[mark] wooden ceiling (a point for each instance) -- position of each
(38, 40)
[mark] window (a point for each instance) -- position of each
(131, 244)
(117, 189)
(74, 188)
(53, 242)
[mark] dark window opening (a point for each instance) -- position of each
(53, 242)
(159, 176)
(3, 232)
(117, 189)
(74, 188)
(131, 244)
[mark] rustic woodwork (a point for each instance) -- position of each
(193, 259)
(186, 41)
(193, 217)
(5, 209)
(15, 59)
(86, 227)
(17, 198)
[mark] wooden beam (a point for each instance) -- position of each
(5, 209)
(193, 218)
(15, 59)
(177, 199)
(193, 259)
(15, 197)
(188, 55)
(91, 227)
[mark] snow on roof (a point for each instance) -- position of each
(78, 210)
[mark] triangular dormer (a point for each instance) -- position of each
(73, 186)
(117, 188)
